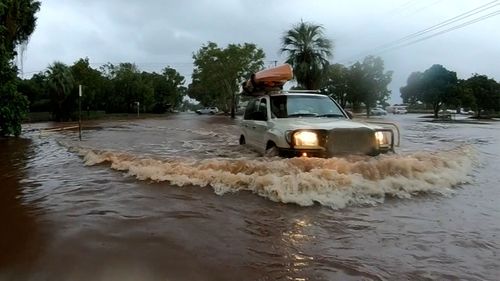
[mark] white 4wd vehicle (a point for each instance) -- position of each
(208, 110)
(308, 124)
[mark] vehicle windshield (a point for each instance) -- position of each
(304, 106)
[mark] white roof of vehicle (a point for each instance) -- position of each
(297, 93)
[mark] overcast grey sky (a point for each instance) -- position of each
(157, 33)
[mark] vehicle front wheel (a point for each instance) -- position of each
(271, 150)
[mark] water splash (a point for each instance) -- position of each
(333, 182)
(21, 53)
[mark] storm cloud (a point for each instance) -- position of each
(158, 33)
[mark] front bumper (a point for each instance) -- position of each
(322, 153)
(339, 142)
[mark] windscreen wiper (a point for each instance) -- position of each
(302, 115)
(331, 115)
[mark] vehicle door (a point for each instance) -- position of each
(248, 122)
(260, 124)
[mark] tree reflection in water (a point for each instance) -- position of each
(19, 235)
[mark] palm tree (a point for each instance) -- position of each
(308, 52)
(61, 82)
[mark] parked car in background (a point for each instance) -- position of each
(397, 109)
(378, 111)
(400, 110)
(208, 110)
(466, 111)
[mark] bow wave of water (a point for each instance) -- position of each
(333, 182)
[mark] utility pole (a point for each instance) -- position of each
(80, 112)
(138, 107)
(233, 105)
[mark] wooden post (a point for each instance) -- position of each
(80, 112)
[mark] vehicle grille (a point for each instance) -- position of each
(351, 141)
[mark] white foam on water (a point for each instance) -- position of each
(333, 182)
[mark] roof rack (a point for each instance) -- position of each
(262, 92)
(277, 91)
(302, 91)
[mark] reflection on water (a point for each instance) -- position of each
(19, 241)
(179, 199)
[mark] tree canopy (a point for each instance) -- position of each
(373, 82)
(17, 23)
(92, 83)
(112, 88)
(364, 82)
(308, 51)
(436, 86)
(483, 93)
(60, 84)
(168, 89)
(218, 73)
(336, 84)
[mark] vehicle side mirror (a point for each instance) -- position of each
(349, 114)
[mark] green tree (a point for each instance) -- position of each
(466, 98)
(374, 82)
(17, 23)
(61, 82)
(175, 87)
(485, 93)
(129, 88)
(436, 86)
(336, 83)
(168, 89)
(106, 99)
(219, 72)
(35, 89)
(92, 84)
(308, 52)
(367, 83)
(411, 93)
(355, 86)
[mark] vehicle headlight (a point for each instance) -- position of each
(305, 138)
(383, 138)
(288, 136)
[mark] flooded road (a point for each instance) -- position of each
(178, 199)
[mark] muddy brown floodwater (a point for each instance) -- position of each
(178, 199)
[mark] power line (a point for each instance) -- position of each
(384, 15)
(445, 23)
(446, 30)
(396, 43)
(403, 7)
(424, 8)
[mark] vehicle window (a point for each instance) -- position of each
(278, 107)
(262, 115)
(249, 111)
(304, 106)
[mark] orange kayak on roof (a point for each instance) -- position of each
(268, 79)
(279, 74)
